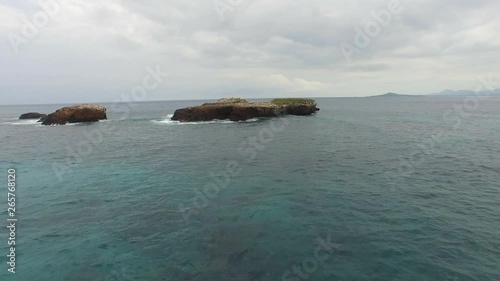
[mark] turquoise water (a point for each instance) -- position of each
(128, 205)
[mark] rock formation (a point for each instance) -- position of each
(32, 115)
(76, 114)
(236, 109)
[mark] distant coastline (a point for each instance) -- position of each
(393, 95)
(467, 93)
(445, 93)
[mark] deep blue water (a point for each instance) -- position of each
(402, 188)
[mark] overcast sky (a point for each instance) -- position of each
(96, 51)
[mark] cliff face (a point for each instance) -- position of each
(301, 109)
(76, 114)
(236, 109)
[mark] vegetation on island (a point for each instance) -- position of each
(293, 101)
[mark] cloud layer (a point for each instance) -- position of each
(98, 50)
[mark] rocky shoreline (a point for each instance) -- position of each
(236, 109)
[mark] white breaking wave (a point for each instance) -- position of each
(167, 120)
(24, 122)
(36, 123)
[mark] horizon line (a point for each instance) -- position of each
(174, 100)
(251, 98)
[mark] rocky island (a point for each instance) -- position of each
(33, 115)
(236, 109)
(76, 114)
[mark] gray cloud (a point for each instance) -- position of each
(97, 50)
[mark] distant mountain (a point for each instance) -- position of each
(467, 93)
(445, 93)
(391, 95)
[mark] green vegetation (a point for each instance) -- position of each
(291, 101)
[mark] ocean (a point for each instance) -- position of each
(380, 189)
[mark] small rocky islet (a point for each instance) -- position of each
(80, 113)
(76, 114)
(237, 109)
(33, 115)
